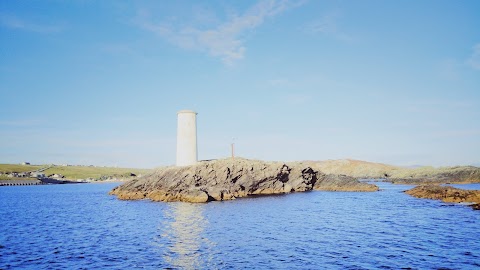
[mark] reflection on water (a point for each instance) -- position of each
(182, 239)
(307, 230)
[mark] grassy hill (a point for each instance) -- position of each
(73, 172)
(9, 168)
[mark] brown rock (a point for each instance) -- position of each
(342, 183)
(195, 196)
(228, 179)
(446, 194)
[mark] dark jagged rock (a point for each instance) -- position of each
(228, 179)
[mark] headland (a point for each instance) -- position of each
(228, 179)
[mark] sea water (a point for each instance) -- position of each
(82, 227)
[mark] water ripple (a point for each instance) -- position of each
(81, 227)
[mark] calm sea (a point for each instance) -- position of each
(82, 227)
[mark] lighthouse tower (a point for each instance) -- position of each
(186, 138)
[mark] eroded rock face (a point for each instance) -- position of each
(446, 194)
(228, 179)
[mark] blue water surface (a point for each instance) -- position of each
(82, 227)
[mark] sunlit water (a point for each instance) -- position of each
(81, 227)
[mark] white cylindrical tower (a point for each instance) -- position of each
(186, 138)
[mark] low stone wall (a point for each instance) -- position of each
(21, 182)
(42, 181)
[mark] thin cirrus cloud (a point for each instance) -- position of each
(474, 60)
(223, 41)
(328, 25)
(16, 23)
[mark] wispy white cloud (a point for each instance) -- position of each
(328, 25)
(224, 40)
(474, 60)
(13, 22)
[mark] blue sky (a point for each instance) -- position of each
(100, 82)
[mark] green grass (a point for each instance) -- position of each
(82, 172)
(8, 168)
(72, 172)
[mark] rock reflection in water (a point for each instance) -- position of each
(182, 239)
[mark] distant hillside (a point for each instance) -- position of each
(418, 175)
(354, 168)
(9, 168)
(72, 172)
(456, 174)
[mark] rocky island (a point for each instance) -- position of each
(227, 179)
(447, 194)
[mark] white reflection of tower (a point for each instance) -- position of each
(183, 241)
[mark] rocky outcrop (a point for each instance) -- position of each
(228, 179)
(447, 194)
